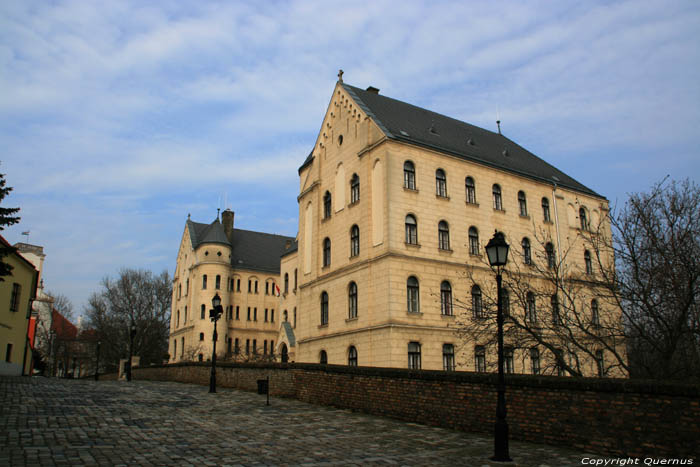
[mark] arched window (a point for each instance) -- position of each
(551, 259)
(527, 253)
(286, 282)
(354, 189)
(505, 301)
(352, 356)
(446, 298)
(508, 360)
(587, 260)
(177, 322)
(324, 308)
(411, 230)
(326, 252)
(323, 358)
(477, 303)
(545, 210)
(440, 183)
(352, 300)
(470, 189)
(556, 319)
(443, 236)
(535, 360)
(327, 205)
(285, 316)
(522, 203)
(412, 295)
(414, 355)
(448, 357)
(479, 358)
(204, 282)
(583, 218)
(354, 240)
(497, 201)
(409, 175)
(530, 308)
(218, 282)
(473, 241)
(595, 315)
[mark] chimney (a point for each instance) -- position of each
(227, 221)
(372, 89)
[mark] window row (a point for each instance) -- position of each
(286, 282)
(414, 356)
(409, 182)
(411, 230)
(271, 287)
(535, 360)
(354, 246)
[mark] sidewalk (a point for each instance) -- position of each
(83, 422)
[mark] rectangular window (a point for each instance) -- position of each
(236, 348)
(248, 313)
(508, 360)
(479, 358)
(272, 315)
(256, 286)
(267, 288)
(247, 346)
(238, 285)
(265, 347)
(14, 299)
(272, 347)
(255, 314)
(266, 315)
(8, 353)
(250, 286)
(255, 346)
(237, 312)
(204, 281)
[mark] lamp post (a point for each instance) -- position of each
(97, 361)
(497, 251)
(132, 334)
(214, 315)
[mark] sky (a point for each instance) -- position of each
(118, 119)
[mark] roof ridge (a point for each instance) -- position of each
(264, 233)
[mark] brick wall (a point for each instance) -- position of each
(603, 416)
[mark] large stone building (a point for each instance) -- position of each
(396, 204)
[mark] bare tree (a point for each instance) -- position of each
(62, 304)
(135, 296)
(620, 297)
(657, 282)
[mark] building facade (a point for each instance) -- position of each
(243, 268)
(17, 292)
(396, 204)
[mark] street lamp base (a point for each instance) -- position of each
(501, 442)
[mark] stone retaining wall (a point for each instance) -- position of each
(605, 416)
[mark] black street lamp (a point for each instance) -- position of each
(214, 314)
(497, 251)
(132, 334)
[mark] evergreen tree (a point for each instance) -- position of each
(7, 218)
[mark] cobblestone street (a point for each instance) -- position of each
(70, 422)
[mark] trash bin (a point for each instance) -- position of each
(262, 386)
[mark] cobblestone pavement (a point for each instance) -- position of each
(69, 422)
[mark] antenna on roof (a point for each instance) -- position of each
(340, 76)
(498, 118)
(217, 213)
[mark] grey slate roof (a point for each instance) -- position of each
(405, 122)
(250, 250)
(290, 333)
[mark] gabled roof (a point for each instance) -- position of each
(63, 328)
(250, 250)
(414, 125)
(258, 250)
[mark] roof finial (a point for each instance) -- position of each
(498, 122)
(188, 216)
(340, 76)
